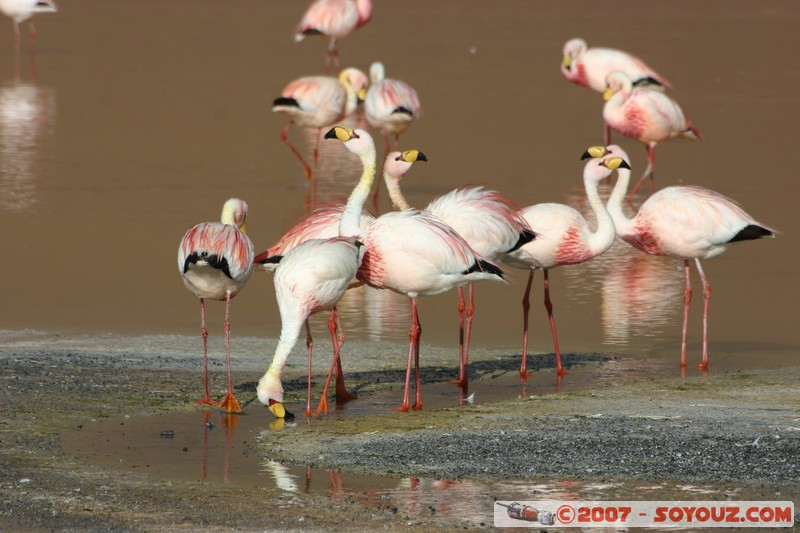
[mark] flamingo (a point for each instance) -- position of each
(390, 105)
(333, 19)
(563, 237)
(318, 101)
(644, 114)
(484, 218)
(588, 67)
(22, 10)
(413, 253)
(215, 260)
(314, 276)
(686, 223)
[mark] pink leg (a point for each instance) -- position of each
(413, 335)
(606, 134)
(706, 299)
(526, 305)
(206, 400)
(295, 151)
(651, 163)
(310, 347)
(341, 390)
(687, 299)
(418, 403)
(465, 358)
(549, 306)
(229, 402)
(461, 308)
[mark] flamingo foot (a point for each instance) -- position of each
(562, 372)
(277, 409)
(703, 366)
(403, 408)
(461, 382)
(309, 413)
(344, 396)
(523, 373)
(323, 406)
(206, 401)
(230, 403)
(417, 406)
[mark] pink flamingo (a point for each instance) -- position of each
(413, 253)
(644, 114)
(318, 101)
(685, 223)
(314, 276)
(21, 10)
(588, 67)
(390, 105)
(487, 220)
(215, 260)
(333, 19)
(563, 237)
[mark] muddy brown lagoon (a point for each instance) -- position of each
(137, 120)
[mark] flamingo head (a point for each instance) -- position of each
(616, 82)
(357, 80)
(270, 393)
(357, 140)
(573, 49)
(235, 212)
(398, 163)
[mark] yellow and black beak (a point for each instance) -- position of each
(594, 152)
(341, 133)
(410, 156)
(613, 163)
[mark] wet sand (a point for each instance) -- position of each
(739, 431)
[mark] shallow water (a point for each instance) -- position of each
(137, 120)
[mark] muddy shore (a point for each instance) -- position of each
(733, 429)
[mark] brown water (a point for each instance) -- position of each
(139, 119)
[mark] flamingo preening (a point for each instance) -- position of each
(215, 260)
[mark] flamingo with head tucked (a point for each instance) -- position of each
(644, 114)
(390, 105)
(334, 20)
(686, 223)
(215, 260)
(487, 220)
(563, 237)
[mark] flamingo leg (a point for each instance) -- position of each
(295, 151)
(418, 402)
(310, 347)
(648, 172)
(706, 298)
(687, 299)
(606, 134)
(549, 306)
(206, 400)
(468, 335)
(332, 55)
(338, 332)
(526, 305)
(229, 402)
(413, 335)
(461, 308)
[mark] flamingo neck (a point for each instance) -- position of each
(395, 194)
(350, 225)
(603, 237)
(614, 205)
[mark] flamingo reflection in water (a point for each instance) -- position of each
(27, 115)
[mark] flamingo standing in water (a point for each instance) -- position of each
(563, 237)
(318, 101)
(644, 114)
(215, 260)
(686, 223)
(390, 105)
(21, 10)
(413, 253)
(314, 276)
(333, 19)
(488, 221)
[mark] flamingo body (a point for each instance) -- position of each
(588, 67)
(22, 10)
(333, 19)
